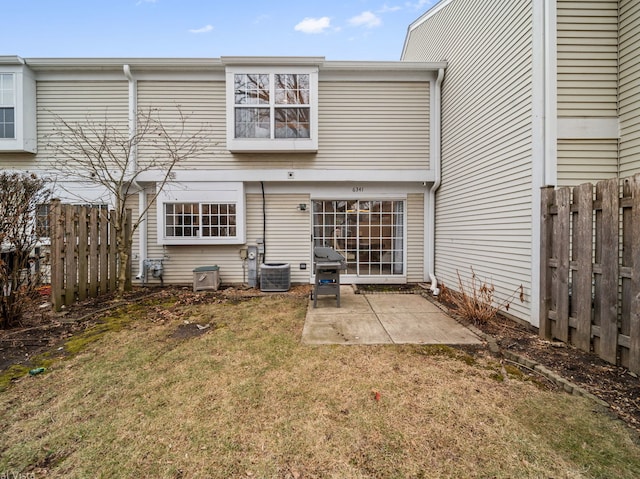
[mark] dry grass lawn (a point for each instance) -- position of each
(246, 399)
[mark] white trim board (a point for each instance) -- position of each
(588, 128)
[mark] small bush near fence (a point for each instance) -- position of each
(590, 268)
(83, 253)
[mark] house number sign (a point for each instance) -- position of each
(357, 189)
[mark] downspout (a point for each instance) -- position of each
(132, 165)
(437, 147)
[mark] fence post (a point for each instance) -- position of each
(57, 245)
(103, 250)
(94, 257)
(561, 243)
(127, 235)
(546, 199)
(581, 294)
(83, 264)
(113, 252)
(70, 263)
(634, 320)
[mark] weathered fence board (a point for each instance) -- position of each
(590, 268)
(83, 253)
(583, 266)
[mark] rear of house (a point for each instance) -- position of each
(536, 92)
(300, 152)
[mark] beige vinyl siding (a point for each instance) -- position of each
(180, 261)
(373, 125)
(587, 37)
(362, 125)
(483, 207)
(582, 161)
(288, 241)
(75, 102)
(288, 237)
(197, 108)
(415, 238)
(629, 87)
(86, 103)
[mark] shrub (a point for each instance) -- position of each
(21, 194)
(476, 301)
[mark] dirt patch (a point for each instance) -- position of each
(190, 330)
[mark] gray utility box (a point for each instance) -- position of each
(206, 278)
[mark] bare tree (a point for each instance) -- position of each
(21, 194)
(104, 155)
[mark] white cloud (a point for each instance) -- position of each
(140, 2)
(366, 19)
(386, 8)
(421, 4)
(205, 29)
(313, 25)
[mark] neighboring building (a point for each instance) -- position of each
(536, 92)
(303, 152)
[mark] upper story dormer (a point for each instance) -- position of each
(17, 106)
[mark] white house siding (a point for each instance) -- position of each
(629, 87)
(362, 125)
(415, 238)
(582, 161)
(587, 39)
(483, 208)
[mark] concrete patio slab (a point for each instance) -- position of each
(425, 328)
(381, 319)
(350, 328)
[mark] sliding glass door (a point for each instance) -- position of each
(368, 233)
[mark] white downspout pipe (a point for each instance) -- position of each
(431, 214)
(132, 165)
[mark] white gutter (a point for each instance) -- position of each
(436, 157)
(132, 167)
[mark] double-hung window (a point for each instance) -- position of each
(7, 106)
(18, 132)
(201, 213)
(272, 110)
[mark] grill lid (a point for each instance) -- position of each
(323, 253)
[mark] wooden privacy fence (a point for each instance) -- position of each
(84, 260)
(590, 268)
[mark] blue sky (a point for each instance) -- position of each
(335, 29)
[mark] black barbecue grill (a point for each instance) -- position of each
(328, 264)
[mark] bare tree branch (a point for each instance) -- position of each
(101, 154)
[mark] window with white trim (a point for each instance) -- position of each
(7, 105)
(204, 220)
(272, 110)
(201, 213)
(18, 127)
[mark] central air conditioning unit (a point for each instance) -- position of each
(275, 277)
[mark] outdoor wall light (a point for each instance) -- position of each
(302, 207)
